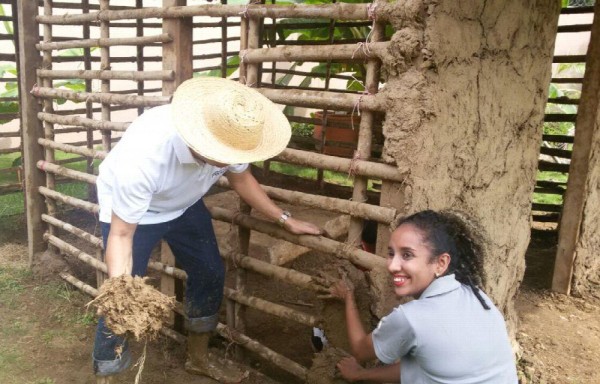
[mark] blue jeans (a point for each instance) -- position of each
(192, 239)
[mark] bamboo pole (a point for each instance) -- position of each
(67, 172)
(102, 97)
(139, 53)
(326, 100)
(104, 42)
(357, 256)
(95, 241)
(105, 84)
(106, 75)
(339, 11)
(70, 200)
(89, 133)
(363, 210)
(360, 51)
(83, 122)
(272, 308)
(333, 163)
(232, 335)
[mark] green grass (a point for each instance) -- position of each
(547, 198)
(13, 203)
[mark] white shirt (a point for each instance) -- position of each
(151, 176)
(446, 336)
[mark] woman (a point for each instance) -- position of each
(452, 332)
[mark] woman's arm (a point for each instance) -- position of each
(119, 244)
(352, 371)
(361, 343)
(251, 192)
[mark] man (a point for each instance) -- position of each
(151, 185)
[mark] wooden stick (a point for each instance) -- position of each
(83, 122)
(360, 51)
(266, 353)
(67, 172)
(269, 270)
(107, 75)
(319, 243)
(326, 100)
(339, 11)
(100, 97)
(95, 241)
(104, 42)
(360, 167)
(76, 252)
(271, 308)
(70, 200)
(363, 210)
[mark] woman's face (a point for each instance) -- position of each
(409, 262)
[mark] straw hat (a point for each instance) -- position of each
(227, 122)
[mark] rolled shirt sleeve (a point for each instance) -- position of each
(394, 337)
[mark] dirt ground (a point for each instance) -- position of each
(46, 334)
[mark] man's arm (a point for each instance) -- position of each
(119, 245)
(250, 191)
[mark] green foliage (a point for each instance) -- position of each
(233, 63)
(302, 129)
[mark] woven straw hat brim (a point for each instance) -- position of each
(189, 108)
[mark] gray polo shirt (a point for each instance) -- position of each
(446, 336)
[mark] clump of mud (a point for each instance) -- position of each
(323, 370)
(132, 307)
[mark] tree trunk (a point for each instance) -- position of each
(468, 83)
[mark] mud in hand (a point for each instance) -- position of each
(132, 307)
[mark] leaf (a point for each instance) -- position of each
(233, 64)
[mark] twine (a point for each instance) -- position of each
(371, 8)
(35, 91)
(353, 164)
(245, 13)
(242, 55)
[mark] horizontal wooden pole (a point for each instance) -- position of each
(67, 172)
(83, 151)
(10, 134)
(99, 97)
(11, 188)
(269, 270)
(357, 256)
(339, 11)
(107, 75)
(338, 164)
(95, 241)
(104, 42)
(83, 122)
(271, 308)
(70, 200)
(76, 252)
(326, 100)
(366, 211)
(360, 51)
(266, 353)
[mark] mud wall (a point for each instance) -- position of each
(468, 84)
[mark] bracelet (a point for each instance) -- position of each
(283, 218)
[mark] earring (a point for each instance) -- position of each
(437, 275)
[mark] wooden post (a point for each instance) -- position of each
(177, 56)
(140, 52)
(31, 127)
(587, 129)
(105, 66)
(365, 137)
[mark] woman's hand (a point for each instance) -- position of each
(350, 369)
(332, 288)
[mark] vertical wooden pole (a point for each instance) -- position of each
(224, 45)
(105, 65)
(365, 137)
(31, 127)
(177, 56)
(586, 128)
(87, 64)
(49, 108)
(140, 53)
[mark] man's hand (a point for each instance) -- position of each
(300, 227)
